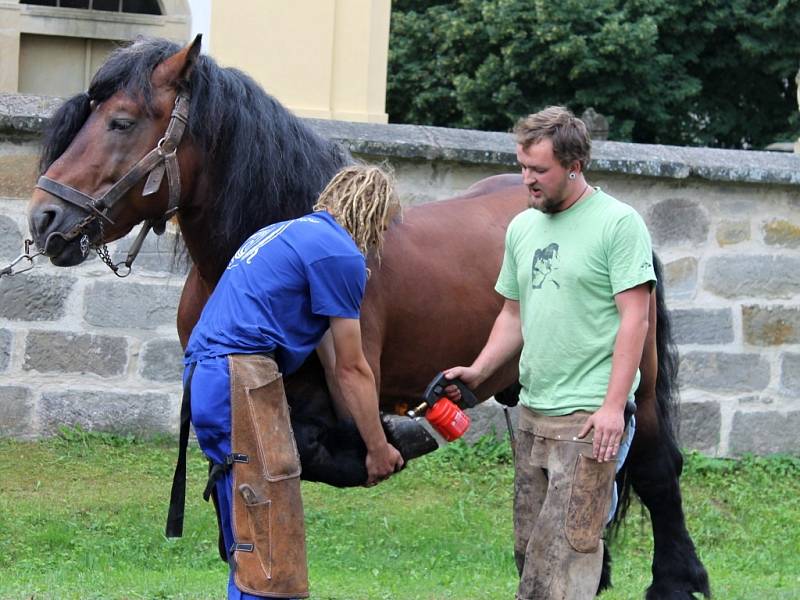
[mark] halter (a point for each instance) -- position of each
(163, 158)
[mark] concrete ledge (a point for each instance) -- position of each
(27, 115)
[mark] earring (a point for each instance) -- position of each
(572, 175)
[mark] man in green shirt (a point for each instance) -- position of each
(577, 276)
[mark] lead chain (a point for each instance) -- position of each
(102, 252)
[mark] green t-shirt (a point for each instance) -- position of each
(564, 269)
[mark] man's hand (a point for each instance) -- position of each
(471, 376)
(608, 424)
(382, 463)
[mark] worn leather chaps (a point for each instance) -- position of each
(269, 553)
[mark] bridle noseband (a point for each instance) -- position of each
(163, 158)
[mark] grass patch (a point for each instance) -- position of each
(82, 516)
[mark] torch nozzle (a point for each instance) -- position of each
(418, 411)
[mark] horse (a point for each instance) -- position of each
(236, 160)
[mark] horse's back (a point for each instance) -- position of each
(431, 303)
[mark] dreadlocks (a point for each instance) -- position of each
(362, 200)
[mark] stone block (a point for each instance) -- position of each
(10, 240)
(6, 339)
(790, 373)
(701, 326)
(700, 424)
(678, 221)
(162, 360)
(488, 418)
(680, 278)
(67, 352)
(131, 305)
(771, 325)
(732, 232)
(761, 276)
(155, 255)
(34, 297)
(780, 232)
(16, 411)
(724, 372)
(123, 413)
(764, 433)
(18, 172)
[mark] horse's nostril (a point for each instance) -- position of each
(42, 221)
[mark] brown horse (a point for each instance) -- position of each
(244, 161)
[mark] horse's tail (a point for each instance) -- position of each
(666, 393)
(667, 376)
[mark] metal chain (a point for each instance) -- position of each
(9, 269)
(101, 249)
(102, 252)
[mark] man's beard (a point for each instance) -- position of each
(548, 204)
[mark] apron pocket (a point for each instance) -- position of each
(589, 502)
(276, 443)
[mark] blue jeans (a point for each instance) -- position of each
(621, 456)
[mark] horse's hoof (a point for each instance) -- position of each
(409, 437)
(665, 592)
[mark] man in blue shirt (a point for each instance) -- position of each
(287, 285)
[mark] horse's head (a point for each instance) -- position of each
(106, 153)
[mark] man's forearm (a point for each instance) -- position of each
(357, 386)
(627, 356)
(505, 340)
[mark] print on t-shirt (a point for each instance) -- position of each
(249, 250)
(545, 263)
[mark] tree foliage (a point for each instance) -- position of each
(695, 72)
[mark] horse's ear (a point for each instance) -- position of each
(178, 68)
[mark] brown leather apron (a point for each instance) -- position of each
(269, 553)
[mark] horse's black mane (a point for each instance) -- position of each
(265, 164)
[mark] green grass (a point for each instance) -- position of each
(82, 516)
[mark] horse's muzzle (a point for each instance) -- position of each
(63, 252)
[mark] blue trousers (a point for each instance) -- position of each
(211, 419)
(621, 456)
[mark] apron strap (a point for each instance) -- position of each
(177, 499)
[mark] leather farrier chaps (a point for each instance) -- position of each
(269, 553)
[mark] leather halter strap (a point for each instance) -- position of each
(161, 159)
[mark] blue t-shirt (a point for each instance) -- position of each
(279, 291)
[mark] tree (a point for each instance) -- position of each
(697, 72)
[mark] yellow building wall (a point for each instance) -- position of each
(321, 58)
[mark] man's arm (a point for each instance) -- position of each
(327, 356)
(608, 421)
(505, 340)
(357, 386)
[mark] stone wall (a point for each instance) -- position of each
(79, 346)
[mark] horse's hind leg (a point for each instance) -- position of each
(605, 573)
(655, 463)
(654, 469)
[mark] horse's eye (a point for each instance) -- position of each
(120, 124)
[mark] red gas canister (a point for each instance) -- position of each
(450, 421)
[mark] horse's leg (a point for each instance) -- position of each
(331, 450)
(655, 463)
(194, 296)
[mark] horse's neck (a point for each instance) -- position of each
(209, 265)
(197, 233)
